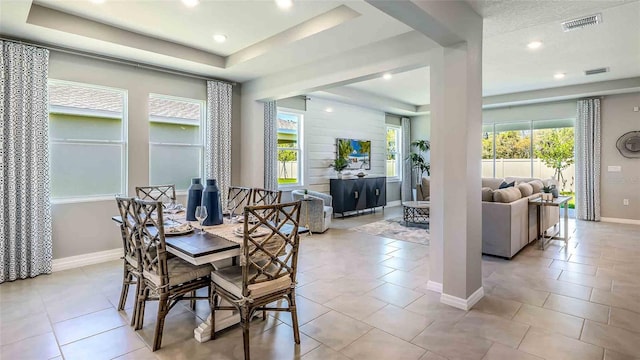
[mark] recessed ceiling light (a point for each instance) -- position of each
(328, 110)
(220, 38)
(386, 76)
(534, 44)
(559, 75)
(284, 4)
(190, 3)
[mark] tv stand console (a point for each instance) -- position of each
(356, 194)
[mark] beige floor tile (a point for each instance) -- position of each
(88, 325)
(430, 306)
(520, 294)
(574, 267)
(586, 280)
(377, 344)
(432, 356)
(441, 338)
(64, 308)
(492, 327)
(503, 352)
(402, 264)
(335, 330)
(555, 346)
(625, 319)
(277, 343)
(595, 261)
(406, 279)
(398, 322)
(394, 294)
(12, 310)
(323, 352)
(36, 347)
(550, 320)
(613, 355)
(140, 354)
(577, 307)
(490, 304)
(26, 327)
(307, 310)
(617, 300)
(319, 291)
(357, 307)
(625, 289)
(106, 345)
(611, 337)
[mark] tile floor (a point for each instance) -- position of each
(362, 297)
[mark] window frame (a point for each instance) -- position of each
(203, 126)
(398, 152)
(123, 143)
(299, 149)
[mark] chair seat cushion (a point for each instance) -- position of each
(230, 279)
(180, 272)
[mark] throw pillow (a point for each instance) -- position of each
(505, 185)
(537, 186)
(487, 194)
(525, 189)
(426, 188)
(506, 195)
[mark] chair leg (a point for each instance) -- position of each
(214, 299)
(264, 315)
(244, 319)
(126, 280)
(142, 300)
(134, 315)
(163, 309)
(294, 317)
(192, 303)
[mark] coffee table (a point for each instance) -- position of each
(416, 212)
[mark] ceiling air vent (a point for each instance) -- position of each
(581, 22)
(596, 71)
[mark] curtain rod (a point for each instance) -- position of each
(115, 60)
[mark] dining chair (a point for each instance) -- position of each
(156, 192)
(240, 197)
(266, 197)
(169, 280)
(131, 259)
(267, 271)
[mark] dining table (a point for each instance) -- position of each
(219, 245)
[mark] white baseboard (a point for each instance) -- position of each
(620, 221)
(394, 203)
(434, 286)
(463, 304)
(72, 262)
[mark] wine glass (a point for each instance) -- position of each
(231, 208)
(201, 214)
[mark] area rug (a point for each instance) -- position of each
(397, 229)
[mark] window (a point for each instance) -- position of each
(87, 131)
(394, 154)
(175, 140)
(289, 149)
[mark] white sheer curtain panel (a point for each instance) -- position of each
(406, 165)
(270, 146)
(588, 160)
(25, 212)
(218, 136)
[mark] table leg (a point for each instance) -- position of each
(566, 223)
(203, 332)
(541, 225)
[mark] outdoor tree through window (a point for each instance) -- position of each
(289, 149)
(394, 155)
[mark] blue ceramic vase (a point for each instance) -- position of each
(194, 198)
(211, 200)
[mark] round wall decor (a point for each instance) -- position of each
(629, 145)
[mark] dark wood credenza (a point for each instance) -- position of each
(357, 194)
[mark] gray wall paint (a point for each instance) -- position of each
(86, 227)
(619, 118)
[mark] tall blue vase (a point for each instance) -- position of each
(194, 198)
(211, 200)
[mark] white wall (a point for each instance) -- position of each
(80, 228)
(321, 129)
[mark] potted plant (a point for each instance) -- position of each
(418, 162)
(338, 165)
(547, 192)
(306, 194)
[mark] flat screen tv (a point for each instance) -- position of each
(357, 153)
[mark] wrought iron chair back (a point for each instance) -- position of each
(274, 255)
(241, 196)
(156, 192)
(151, 240)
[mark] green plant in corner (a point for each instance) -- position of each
(417, 160)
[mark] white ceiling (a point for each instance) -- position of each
(322, 39)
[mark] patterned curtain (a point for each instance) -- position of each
(25, 212)
(588, 160)
(406, 165)
(218, 137)
(270, 146)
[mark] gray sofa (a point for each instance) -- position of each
(509, 222)
(316, 211)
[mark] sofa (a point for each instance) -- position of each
(509, 222)
(316, 211)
